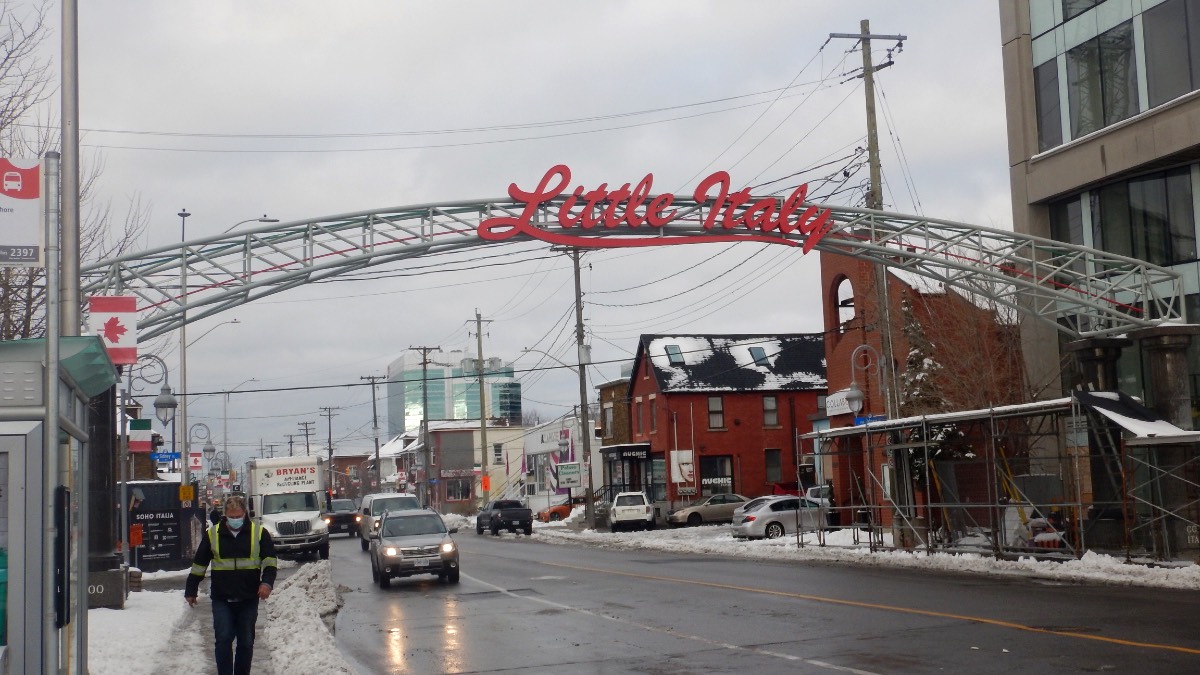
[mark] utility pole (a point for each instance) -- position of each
(585, 432)
(483, 412)
(271, 450)
(887, 370)
(374, 379)
(328, 415)
(874, 200)
(426, 457)
(290, 437)
(308, 430)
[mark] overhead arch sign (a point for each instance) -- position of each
(635, 208)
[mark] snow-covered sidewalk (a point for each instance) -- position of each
(294, 629)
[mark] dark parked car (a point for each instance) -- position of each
(343, 516)
(504, 514)
(413, 542)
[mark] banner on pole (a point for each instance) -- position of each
(114, 319)
(140, 436)
(22, 230)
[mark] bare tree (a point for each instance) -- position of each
(26, 85)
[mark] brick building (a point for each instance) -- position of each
(713, 414)
(948, 352)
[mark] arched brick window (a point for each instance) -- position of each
(844, 304)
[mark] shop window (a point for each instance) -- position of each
(1102, 80)
(716, 475)
(770, 411)
(716, 412)
(773, 461)
(458, 489)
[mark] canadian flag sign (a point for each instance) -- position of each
(141, 438)
(114, 319)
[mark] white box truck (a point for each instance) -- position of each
(287, 496)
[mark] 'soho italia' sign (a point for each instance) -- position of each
(634, 207)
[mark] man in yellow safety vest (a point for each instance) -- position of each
(242, 557)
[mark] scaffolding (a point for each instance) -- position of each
(1053, 480)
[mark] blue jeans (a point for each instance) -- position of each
(234, 620)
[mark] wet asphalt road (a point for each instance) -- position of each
(523, 606)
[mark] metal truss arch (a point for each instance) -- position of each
(1081, 291)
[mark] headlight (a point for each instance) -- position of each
(448, 547)
(328, 520)
(391, 551)
(375, 525)
(358, 519)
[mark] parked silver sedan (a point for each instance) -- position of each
(714, 509)
(779, 516)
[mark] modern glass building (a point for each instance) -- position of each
(453, 389)
(1103, 106)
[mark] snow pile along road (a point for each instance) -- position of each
(299, 623)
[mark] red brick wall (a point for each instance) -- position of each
(682, 423)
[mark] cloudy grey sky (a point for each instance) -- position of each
(236, 109)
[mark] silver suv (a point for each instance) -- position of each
(632, 510)
(413, 542)
(374, 505)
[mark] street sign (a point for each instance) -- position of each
(164, 456)
(570, 475)
(859, 421)
(186, 493)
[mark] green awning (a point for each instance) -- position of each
(82, 357)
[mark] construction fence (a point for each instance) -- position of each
(1093, 472)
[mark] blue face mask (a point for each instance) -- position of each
(236, 523)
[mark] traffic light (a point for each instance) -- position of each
(156, 442)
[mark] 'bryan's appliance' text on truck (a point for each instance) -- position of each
(287, 496)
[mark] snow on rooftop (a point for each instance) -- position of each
(737, 362)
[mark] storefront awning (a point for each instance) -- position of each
(640, 450)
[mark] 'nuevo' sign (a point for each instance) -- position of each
(634, 207)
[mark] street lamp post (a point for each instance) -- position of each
(200, 432)
(264, 219)
(164, 409)
(225, 415)
(185, 469)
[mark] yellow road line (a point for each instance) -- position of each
(886, 608)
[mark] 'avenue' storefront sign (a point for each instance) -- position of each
(635, 208)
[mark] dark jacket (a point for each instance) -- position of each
(236, 573)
